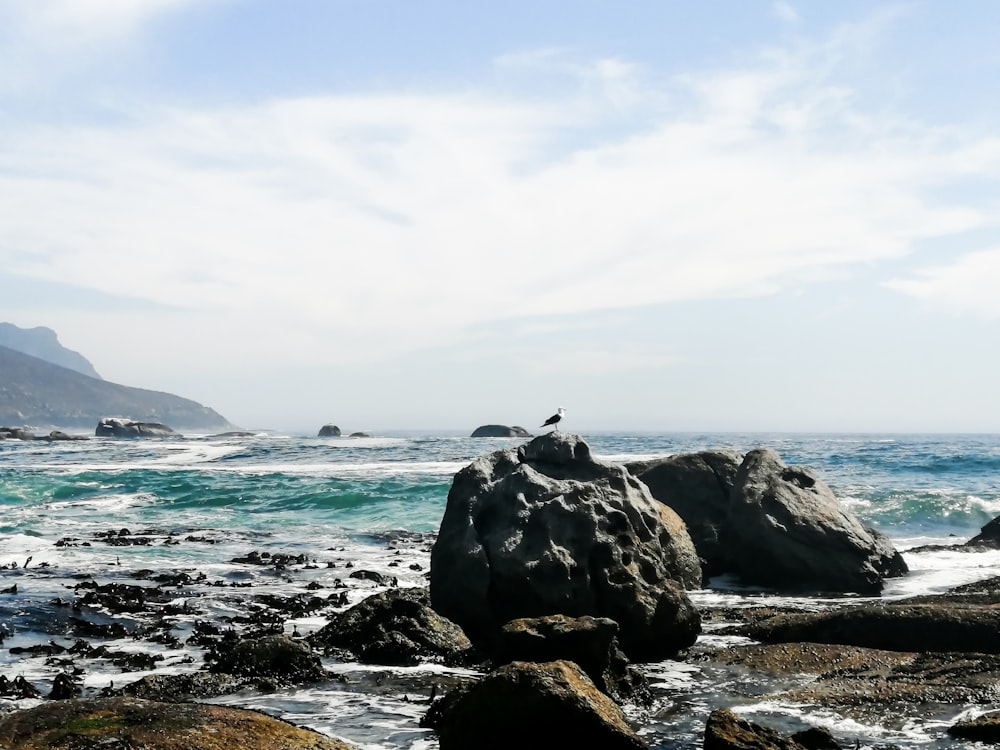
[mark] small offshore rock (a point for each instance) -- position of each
(500, 430)
(329, 430)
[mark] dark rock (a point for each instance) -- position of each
(589, 642)
(727, 731)
(329, 430)
(988, 536)
(273, 657)
(126, 428)
(177, 688)
(545, 529)
(697, 486)
(360, 434)
(985, 728)
(499, 430)
(787, 530)
(64, 687)
(395, 627)
(106, 723)
(16, 433)
(533, 707)
(899, 627)
(18, 688)
(57, 435)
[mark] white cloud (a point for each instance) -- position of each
(785, 11)
(968, 285)
(43, 39)
(340, 228)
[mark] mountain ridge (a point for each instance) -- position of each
(37, 393)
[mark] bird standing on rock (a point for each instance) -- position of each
(555, 419)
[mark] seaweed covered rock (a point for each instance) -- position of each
(395, 627)
(546, 529)
(727, 731)
(102, 723)
(532, 707)
(277, 658)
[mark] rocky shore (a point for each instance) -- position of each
(559, 586)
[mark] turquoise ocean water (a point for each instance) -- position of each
(342, 504)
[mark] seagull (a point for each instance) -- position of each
(555, 419)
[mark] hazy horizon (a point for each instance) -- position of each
(765, 216)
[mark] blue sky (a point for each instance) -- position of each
(749, 215)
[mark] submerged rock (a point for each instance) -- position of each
(103, 723)
(545, 529)
(532, 707)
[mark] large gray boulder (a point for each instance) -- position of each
(770, 524)
(697, 487)
(546, 529)
(787, 529)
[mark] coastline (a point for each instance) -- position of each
(367, 704)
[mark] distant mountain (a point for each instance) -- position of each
(42, 395)
(43, 343)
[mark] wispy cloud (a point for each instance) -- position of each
(362, 226)
(968, 285)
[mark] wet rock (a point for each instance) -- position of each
(532, 707)
(329, 430)
(18, 688)
(589, 642)
(988, 536)
(395, 627)
(64, 687)
(985, 728)
(275, 657)
(106, 723)
(545, 529)
(375, 577)
(727, 731)
(176, 688)
(126, 428)
(898, 627)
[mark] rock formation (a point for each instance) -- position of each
(499, 430)
(126, 428)
(329, 430)
(545, 529)
(395, 627)
(96, 723)
(771, 524)
(533, 707)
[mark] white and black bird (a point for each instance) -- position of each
(555, 419)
